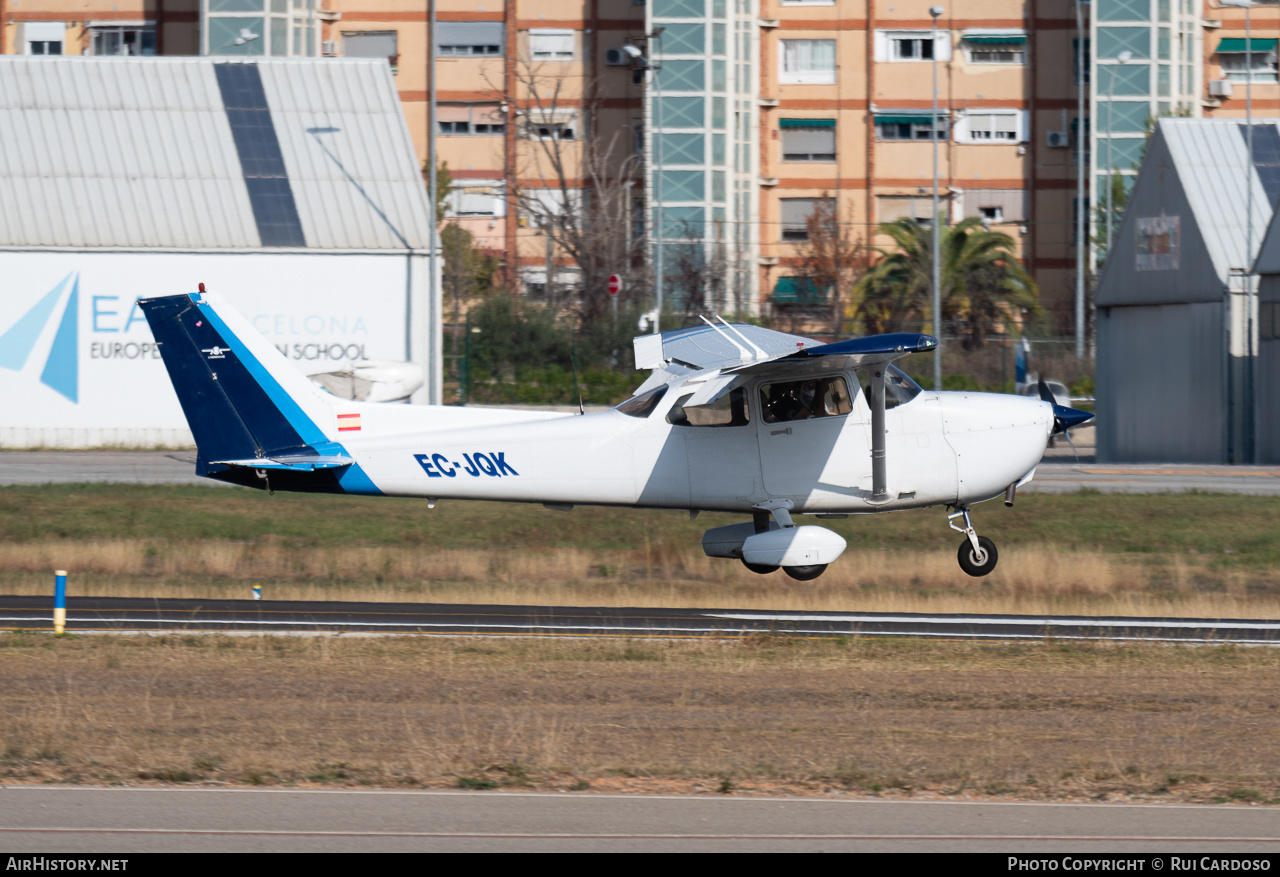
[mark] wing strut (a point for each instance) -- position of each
(879, 480)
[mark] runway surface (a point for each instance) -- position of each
(1059, 472)
(59, 820)
(132, 615)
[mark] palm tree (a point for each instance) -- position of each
(983, 284)
(896, 289)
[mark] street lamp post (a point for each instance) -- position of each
(1249, 360)
(433, 314)
(655, 134)
(1245, 450)
(1123, 58)
(1081, 244)
(936, 11)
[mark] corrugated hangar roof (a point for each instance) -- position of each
(1191, 195)
(206, 153)
(1211, 155)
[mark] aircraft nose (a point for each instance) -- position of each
(1064, 418)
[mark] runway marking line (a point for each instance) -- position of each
(252, 612)
(1037, 624)
(651, 634)
(1269, 473)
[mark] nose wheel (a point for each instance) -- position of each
(977, 554)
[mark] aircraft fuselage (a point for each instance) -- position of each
(943, 448)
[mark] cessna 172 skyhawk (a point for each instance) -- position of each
(733, 418)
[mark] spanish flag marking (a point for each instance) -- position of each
(348, 423)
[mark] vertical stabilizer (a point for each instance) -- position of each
(242, 398)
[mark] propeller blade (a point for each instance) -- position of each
(1067, 433)
(1046, 395)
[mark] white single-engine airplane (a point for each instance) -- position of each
(733, 418)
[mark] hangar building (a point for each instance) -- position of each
(289, 186)
(1268, 401)
(1172, 312)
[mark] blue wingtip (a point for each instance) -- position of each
(877, 345)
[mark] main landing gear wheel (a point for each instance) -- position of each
(762, 568)
(977, 553)
(805, 573)
(980, 562)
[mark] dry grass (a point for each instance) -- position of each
(1052, 721)
(1029, 579)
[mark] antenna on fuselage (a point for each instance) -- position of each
(573, 361)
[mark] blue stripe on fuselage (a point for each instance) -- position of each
(302, 424)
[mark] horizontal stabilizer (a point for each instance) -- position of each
(292, 464)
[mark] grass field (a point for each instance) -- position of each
(1186, 554)
(1051, 721)
(760, 715)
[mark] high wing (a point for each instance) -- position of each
(714, 354)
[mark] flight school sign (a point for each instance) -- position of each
(78, 365)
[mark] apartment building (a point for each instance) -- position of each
(751, 113)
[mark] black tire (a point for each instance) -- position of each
(761, 568)
(974, 565)
(805, 573)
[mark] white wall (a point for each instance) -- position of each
(105, 385)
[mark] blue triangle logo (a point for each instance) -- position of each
(62, 368)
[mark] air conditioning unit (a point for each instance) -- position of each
(1219, 88)
(1059, 139)
(329, 47)
(616, 58)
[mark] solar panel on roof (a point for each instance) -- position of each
(1266, 158)
(261, 161)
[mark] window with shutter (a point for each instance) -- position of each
(794, 214)
(369, 44)
(808, 139)
(547, 44)
(469, 38)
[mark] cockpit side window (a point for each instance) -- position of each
(801, 400)
(642, 405)
(729, 410)
(898, 388)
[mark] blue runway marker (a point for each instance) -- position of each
(60, 601)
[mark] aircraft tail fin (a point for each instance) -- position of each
(254, 416)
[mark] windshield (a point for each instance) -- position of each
(642, 405)
(898, 388)
(897, 383)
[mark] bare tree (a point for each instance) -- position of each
(696, 272)
(578, 186)
(830, 257)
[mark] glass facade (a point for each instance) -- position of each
(1159, 76)
(260, 28)
(701, 121)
